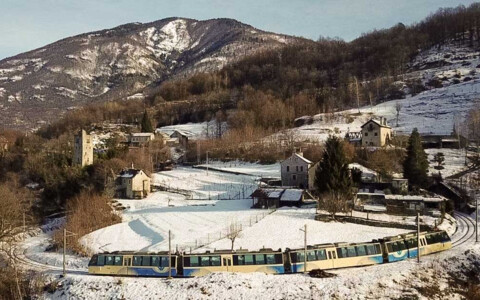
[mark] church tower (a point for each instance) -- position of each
(83, 149)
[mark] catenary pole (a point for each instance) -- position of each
(169, 255)
(418, 237)
(64, 250)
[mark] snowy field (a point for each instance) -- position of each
(193, 130)
(454, 161)
(432, 112)
(271, 170)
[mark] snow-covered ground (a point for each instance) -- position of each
(193, 130)
(432, 112)
(271, 170)
(454, 161)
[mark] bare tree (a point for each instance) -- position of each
(233, 232)
(11, 212)
(333, 202)
(398, 108)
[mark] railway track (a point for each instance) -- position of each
(465, 229)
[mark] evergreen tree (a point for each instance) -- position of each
(332, 177)
(146, 123)
(415, 166)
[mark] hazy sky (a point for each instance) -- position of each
(29, 24)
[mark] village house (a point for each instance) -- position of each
(376, 133)
(182, 137)
(132, 184)
(294, 171)
(83, 149)
(140, 139)
(277, 197)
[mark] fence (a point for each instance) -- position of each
(223, 233)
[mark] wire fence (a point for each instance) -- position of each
(211, 237)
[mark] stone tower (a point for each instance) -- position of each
(83, 149)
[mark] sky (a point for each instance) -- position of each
(29, 24)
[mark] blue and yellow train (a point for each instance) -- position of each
(324, 257)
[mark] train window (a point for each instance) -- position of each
(249, 259)
(351, 251)
(238, 260)
(194, 261)
(164, 262)
(371, 249)
(118, 260)
(279, 258)
(321, 254)
(361, 250)
(215, 260)
(145, 261)
(445, 237)
(259, 259)
(270, 259)
(430, 239)
(342, 252)
(205, 261)
(311, 256)
(300, 257)
(93, 261)
(137, 260)
(156, 261)
(377, 249)
(109, 260)
(411, 243)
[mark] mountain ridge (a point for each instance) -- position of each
(39, 86)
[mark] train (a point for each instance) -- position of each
(321, 256)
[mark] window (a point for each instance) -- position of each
(259, 259)
(296, 168)
(294, 177)
(366, 133)
(270, 259)
(301, 168)
(215, 260)
(372, 250)
(430, 239)
(204, 261)
(249, 259)
(194, 261)
(288, 168)
(118, 260)
(342, 252)
(321, 255)
(376, 133)
(109, 260)
(351, 251)
(145, 261)
(137, 260)
(156, 261)
(361, 251)
(311, 256)
(300, 257)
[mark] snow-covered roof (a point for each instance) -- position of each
(414, 198)
(302, 158)
(181, 132)
(142, 134)
(130, 173)
(376, 122)
(292, 195)
(366, 172)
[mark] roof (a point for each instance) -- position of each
(130, 173)
(181, 132)
(376, 122)
(292, 195)
(296, 155)
(142, 134)
(281, 194)
(414, 198)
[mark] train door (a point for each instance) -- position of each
(227, 263)
(127, 263)
(332, 256)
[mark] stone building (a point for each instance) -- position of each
(132, 184)
(83, 149)
(376, 133)
(294, 171)
(139, 139)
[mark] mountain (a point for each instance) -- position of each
(37, 87)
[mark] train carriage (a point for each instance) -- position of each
(265, 261)
(133, 264)
(334, 256)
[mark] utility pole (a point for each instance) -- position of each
(476, 217)
(169, 255)
(305, 249)
(24, 227)
(418, 237)
(207, 163)
(65, 248)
